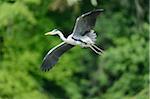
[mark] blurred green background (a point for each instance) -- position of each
(121, 73)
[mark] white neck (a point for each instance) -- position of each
(62, 36)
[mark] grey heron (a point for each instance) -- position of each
(82, 35)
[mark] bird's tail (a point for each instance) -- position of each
(96, 49)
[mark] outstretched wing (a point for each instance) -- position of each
(85, 23)
(53, 55)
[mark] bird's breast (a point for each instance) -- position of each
(72, 41)
(81, 41)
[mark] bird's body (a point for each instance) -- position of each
(82, 41)
(83, 35)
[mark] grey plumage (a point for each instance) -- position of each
(53, 55)
(85, 23)
(92, 35)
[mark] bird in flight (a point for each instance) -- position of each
(82, 35)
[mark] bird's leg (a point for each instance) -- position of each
(98, 48)
(99, 53)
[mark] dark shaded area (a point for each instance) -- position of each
(1, 47)
(52, 88)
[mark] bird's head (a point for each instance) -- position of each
(53, 32)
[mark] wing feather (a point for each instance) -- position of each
(53, 55)
(85, 23)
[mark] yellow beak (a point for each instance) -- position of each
(48, 33)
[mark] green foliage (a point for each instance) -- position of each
(11, 11)
(122, 72)
(126, 66)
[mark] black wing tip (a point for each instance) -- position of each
(93, 11)
(45, 69)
